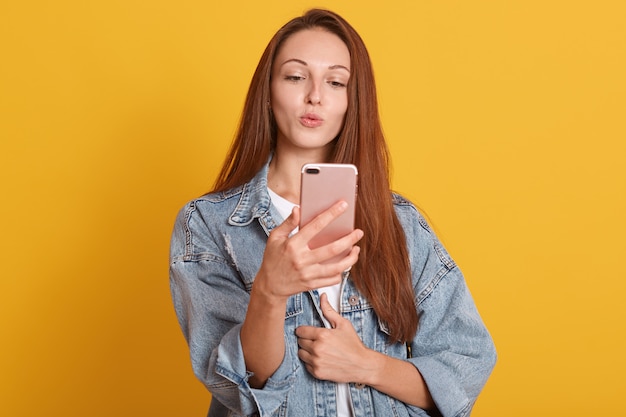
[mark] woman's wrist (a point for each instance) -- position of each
(266, 294)
(373, 368)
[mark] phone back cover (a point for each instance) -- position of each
(319, 191)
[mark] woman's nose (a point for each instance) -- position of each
(314, 96)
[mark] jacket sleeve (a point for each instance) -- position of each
(211, 301)
(452, 348)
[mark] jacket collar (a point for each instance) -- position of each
(254, 201)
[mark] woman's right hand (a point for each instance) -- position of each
(290, 266)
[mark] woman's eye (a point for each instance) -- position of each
(337, 84)
(293, 78)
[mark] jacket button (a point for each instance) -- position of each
(359, 386)
(353, 300)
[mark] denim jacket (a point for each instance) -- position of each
(216, 250)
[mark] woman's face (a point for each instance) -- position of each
(309, 94)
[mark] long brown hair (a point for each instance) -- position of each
(382, 273)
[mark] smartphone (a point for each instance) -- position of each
(323, 185)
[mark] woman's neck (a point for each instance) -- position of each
(284, 179)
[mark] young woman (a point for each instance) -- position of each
(273, 329)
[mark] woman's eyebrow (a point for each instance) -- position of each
(299, 61)
(338, 66)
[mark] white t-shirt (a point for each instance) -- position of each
(333, 293)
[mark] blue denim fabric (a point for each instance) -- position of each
(216, 250)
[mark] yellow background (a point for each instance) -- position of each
(506, 120)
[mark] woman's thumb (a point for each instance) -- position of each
(329, 312)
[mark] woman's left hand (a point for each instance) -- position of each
(335, 354)
(339, 355)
